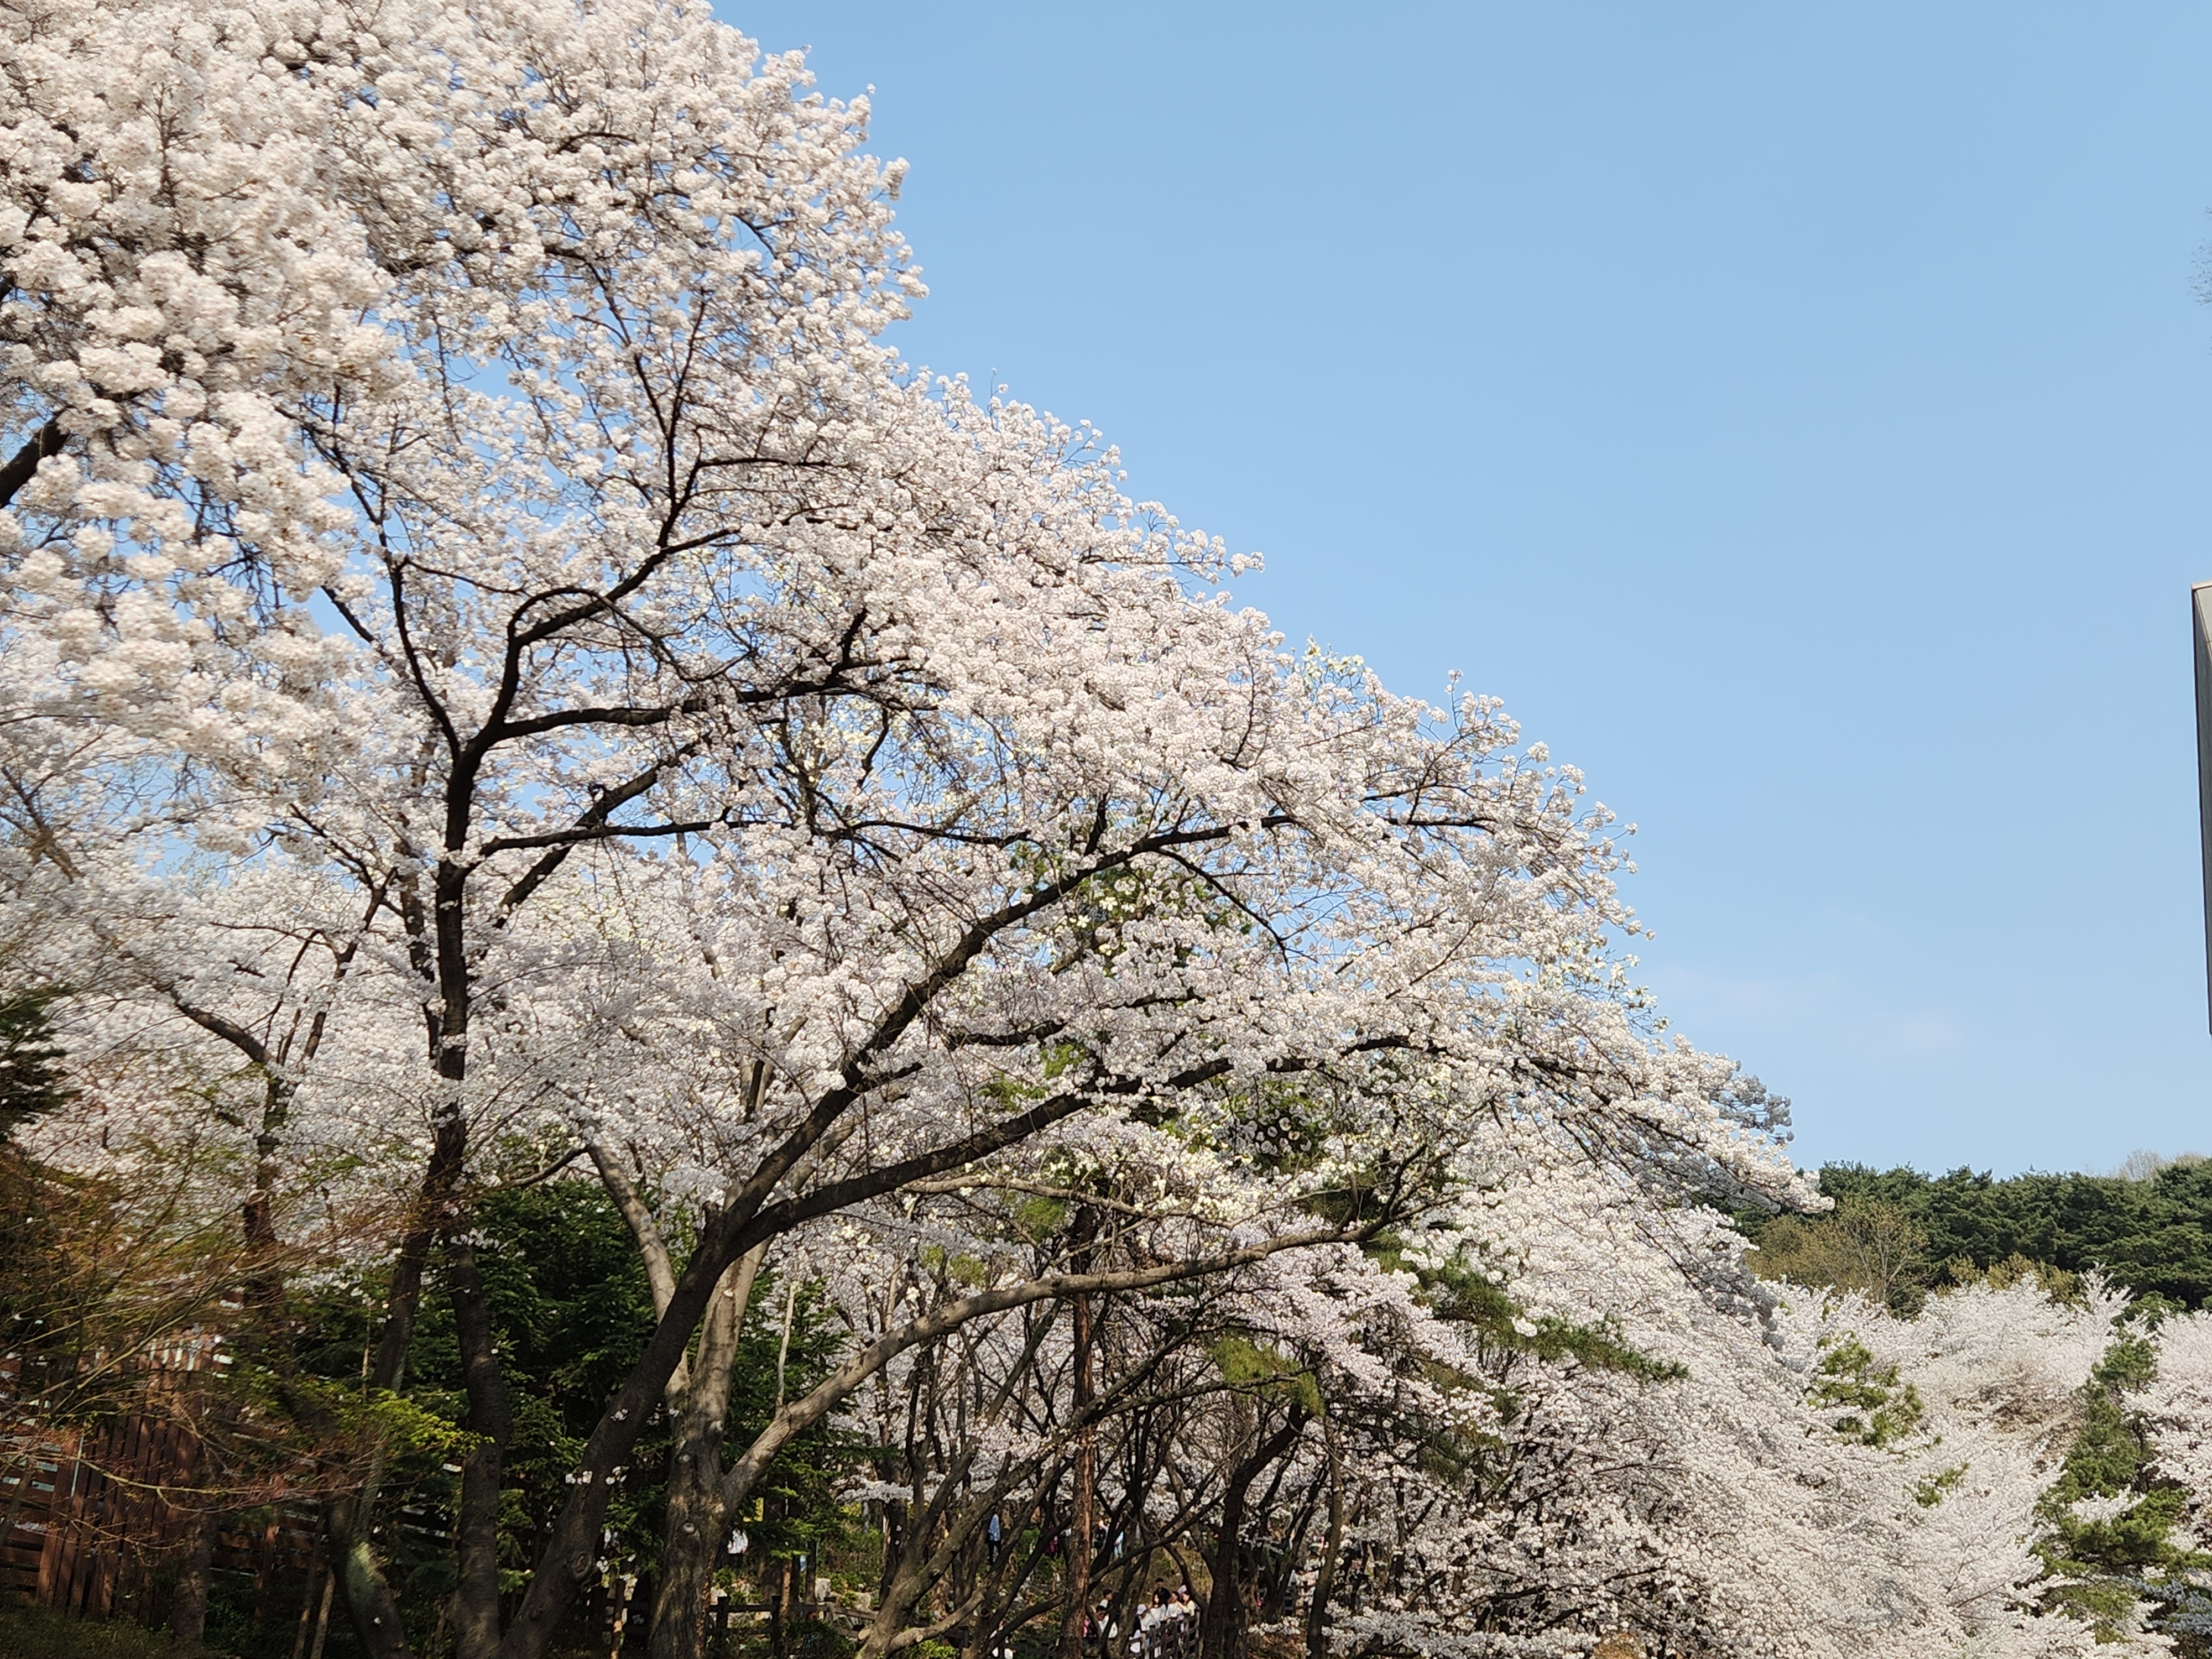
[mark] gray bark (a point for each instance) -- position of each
(188, 1605)
(696, 1519)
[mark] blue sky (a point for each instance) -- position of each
(1800, 416)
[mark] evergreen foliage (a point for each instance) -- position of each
(2153, 1235)
(1877, 1408)
(1464, 1294)
(2103, 1563)
(31, 1078)
(572, 1309)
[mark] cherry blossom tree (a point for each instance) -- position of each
(502, 653)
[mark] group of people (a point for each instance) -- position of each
(1166, 1627)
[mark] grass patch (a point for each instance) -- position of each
(36, 1633)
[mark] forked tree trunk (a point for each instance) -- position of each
(692, 1539)
(1221, 1635)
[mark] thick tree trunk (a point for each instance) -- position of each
(904, 1588)
(1221, 1635)
(476, 1598)
(188, 1605)
(371, 1606)
(692, 1540)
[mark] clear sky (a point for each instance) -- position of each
(1800, 415)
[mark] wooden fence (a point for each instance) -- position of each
(86, 1526)
(86, 1529)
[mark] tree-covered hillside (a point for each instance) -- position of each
(1901, 1233)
